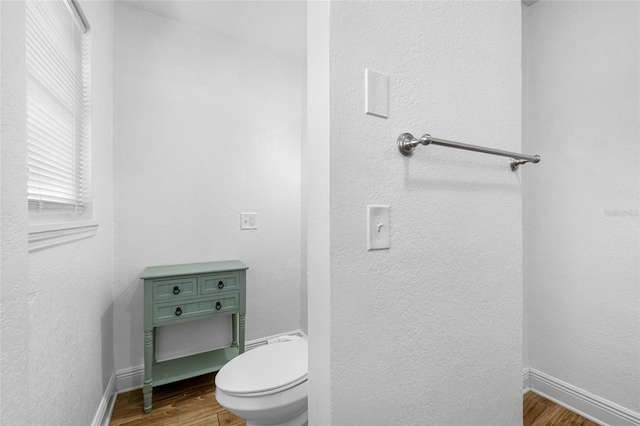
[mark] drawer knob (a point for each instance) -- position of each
(178, 311)
(218, 306)
(220, 284)
(176, 290)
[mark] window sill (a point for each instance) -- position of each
(50, 235)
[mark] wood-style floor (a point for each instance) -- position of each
(192, 402)
(538, 411)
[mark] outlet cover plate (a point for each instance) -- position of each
(377, 227)
(376, 93)
(249, 220)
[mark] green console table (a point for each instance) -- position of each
(179, 293)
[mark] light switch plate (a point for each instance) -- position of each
(376, 93)
(249, 220)
(377, 227)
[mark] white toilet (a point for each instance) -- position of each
(267, 385)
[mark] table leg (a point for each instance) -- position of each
(147, 388)
(234, 330)
(241, 337)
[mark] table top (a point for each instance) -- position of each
(191, 269)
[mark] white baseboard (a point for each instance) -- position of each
(103, 415)
(132, 378)
(579, 401)
(526, 387)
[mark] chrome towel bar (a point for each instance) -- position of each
(407, 144)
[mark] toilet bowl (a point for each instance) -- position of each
(267, 385)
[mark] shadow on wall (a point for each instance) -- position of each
(503, 179)
(106, 332)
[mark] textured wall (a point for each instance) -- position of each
(581, 202)
(64, 314)
(525, 147)
(205, 127)
(14, 310)
(421, 326)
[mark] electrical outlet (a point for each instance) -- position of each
(249, 220)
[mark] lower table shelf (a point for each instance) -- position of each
(193, 365)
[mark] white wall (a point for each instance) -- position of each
(304, 204)
(422, 326)
(526, 147)
(57, 326)
(205, 127)
(581, 202)
(318, 213)
(14, 309)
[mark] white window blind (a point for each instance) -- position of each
(58, 106)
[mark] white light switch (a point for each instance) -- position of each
(249, 220)
(377, 227)
(376, 93)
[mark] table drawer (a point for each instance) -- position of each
(176, 312)
(174, 289)
(211, 284)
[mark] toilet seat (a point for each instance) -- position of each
(265, 370)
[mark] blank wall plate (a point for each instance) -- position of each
(249, 220)
(377, 227)
(376, 93)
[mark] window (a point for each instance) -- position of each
(58, 110)
(58, 59)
